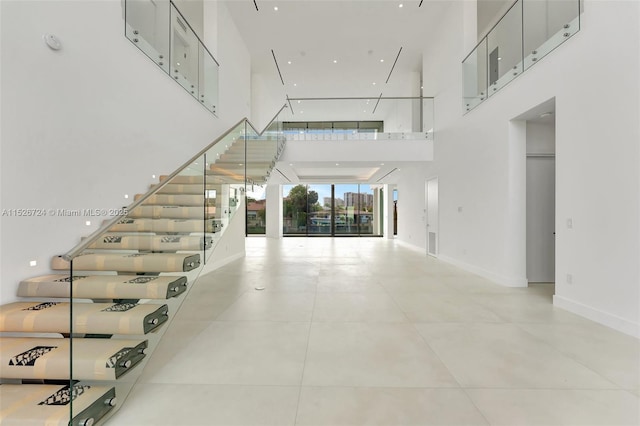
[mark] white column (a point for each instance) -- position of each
(515, 244)
(274, 211)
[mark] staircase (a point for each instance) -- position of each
(75, 344)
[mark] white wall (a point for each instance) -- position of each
(478, 161)
(85, 125)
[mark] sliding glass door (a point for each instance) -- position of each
(331, 210)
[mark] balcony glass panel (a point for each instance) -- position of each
(184, 53)
(208, 79)
(504, 49)
(547, 24)
(147, 26)
(474, 76)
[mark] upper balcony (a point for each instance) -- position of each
(526, 33)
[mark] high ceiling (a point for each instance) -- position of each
(338, 48)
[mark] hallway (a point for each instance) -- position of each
(351, 331)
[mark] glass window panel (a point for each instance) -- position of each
(366, 211)
(319, 215)
(294, 209)
(345, 206)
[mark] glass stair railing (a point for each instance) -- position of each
(73, 348)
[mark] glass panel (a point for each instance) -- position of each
(224, 182)
(401, 118)
(137, 271)
(208, 81)
(184, 53)
(147, 26)
(165, 36)
(294, 209)
(428, 122)
(547, 24)
(256, 209)
(474, 76)
(504, 49)
(319, 216)
(366, 212)
(345, 209)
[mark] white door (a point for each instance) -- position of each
(432, 216)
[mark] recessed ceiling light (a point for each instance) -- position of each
(382, 164)
(88, 223)
(33, 263)
(275, 8)
(178, 63)
(400, 5)
(298, 101)
(294, 84)
(374, 83)
(289, 62)
(291, 164)
(499, 58)
(126, 195)
(381, 60)
(239, 164)
(337, 164)
(335, 61)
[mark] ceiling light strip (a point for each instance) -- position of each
(283, 175)
(256, 5)
(277, 66)
(395, 168)
(374, 108)
(394, 65)
(290, 106)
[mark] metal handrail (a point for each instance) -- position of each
(85, 243)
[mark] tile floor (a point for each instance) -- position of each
(366, 331)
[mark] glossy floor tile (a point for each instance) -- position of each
(365, 331)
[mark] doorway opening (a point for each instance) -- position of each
(541, 194)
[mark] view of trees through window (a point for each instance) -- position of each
(346, 209)
(319, 209)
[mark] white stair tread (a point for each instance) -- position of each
(49, 404)
(150, 242)
(137, 262)
(48, 358)
(90, 318)
(104, 286)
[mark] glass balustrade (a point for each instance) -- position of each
(527, 32)
(474, 76)
(380, 118)
(126, 282)
(547, 24)
(160, 31)
(504, 49)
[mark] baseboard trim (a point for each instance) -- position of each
(411, 247)
(497, 278)
(612, 321)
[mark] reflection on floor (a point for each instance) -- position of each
(365, 331)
